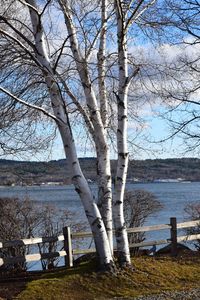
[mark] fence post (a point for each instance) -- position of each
(68, 247)
(173, 232)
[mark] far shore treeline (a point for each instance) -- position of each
(55, 172)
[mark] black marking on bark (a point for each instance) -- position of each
(124, 117)
(99, 226)
(108, 229)
(78, 190)
(121, 103)
(76, 177)
(66, 146)
(95, 221)
(123, 155)
(99, 205)
(85, 85)
(118, 233)
(118, 202)
(119, 131)
(126, 81)
(74, 163)
(119, 178)
(88, 215)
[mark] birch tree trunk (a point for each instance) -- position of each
(103, 154)
(97, 117)
(59, 108)
(122, 163)
(101, 65)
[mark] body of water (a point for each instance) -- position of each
(173, 196)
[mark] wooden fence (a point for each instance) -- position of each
(68, 236)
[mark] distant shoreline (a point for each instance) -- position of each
(58, 172)
(93, 183)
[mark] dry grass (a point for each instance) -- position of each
(151, 275)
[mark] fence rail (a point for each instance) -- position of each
(69, 252)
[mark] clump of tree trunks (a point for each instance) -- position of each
(59, 73)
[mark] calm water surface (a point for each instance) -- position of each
(173, 196)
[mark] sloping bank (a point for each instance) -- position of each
(158, 277)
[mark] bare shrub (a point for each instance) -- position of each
(23, 219)
(138, 206)
(192, 211)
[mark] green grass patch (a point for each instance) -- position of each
(151, 275)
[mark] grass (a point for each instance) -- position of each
(151, 276)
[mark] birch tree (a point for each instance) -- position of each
(69, 67)
(126, 14)
(35, 47)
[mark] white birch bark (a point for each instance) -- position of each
(103, 159)
(101, 65)
(58, 105)
(102, 149)
(122, 163)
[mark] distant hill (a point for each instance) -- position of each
(24, 172)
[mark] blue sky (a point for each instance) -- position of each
(155, 132)
(155, 128)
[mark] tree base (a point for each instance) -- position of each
(127, 266)
(109, 267)
(123, 263)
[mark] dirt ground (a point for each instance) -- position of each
(9, 290)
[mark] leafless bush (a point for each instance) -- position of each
(24, 218)
(138, 206)
(193, 213)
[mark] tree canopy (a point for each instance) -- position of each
(69, 65)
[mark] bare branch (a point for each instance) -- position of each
(18, 32)
(22, 46)
(29, 5)
(133, 18)
(28, 104)
(44, 8)
(78, 105)
(60, 54)
(134, 13)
